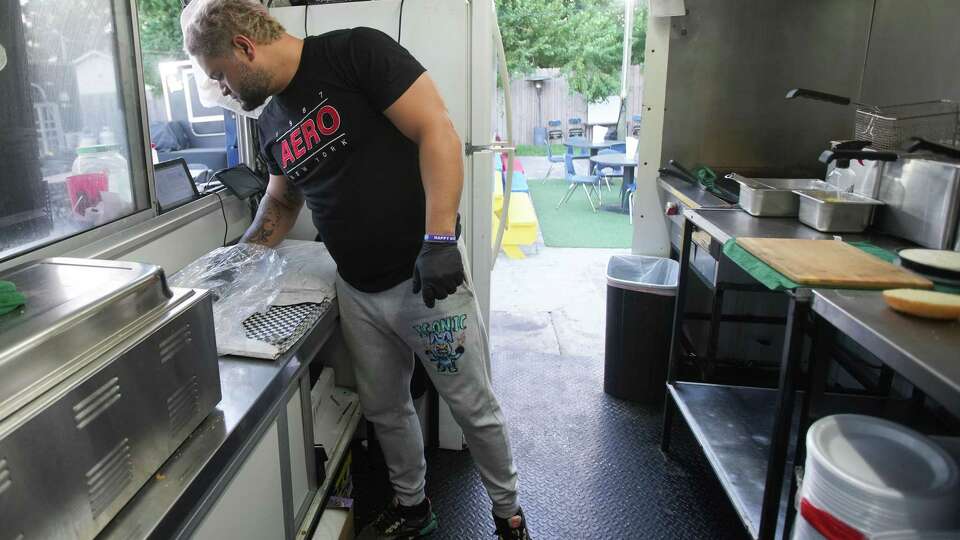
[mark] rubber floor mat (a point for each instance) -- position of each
(589, 464)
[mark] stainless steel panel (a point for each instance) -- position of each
(913, 52)
(836, 211)
(74, 306)
(730, 64)
(683, 195)
(922, 199)
(189, 482)
(76, 454)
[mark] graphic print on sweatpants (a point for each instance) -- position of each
(443, 341)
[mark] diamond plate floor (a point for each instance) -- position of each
(589, 464)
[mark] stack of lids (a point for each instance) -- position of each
(865, 476)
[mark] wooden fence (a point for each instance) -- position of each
(556, 103)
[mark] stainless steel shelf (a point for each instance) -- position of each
(733, 425)
(319, 501)
(925, 352)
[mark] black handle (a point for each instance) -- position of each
(916, 144)
(684, 171)
(852, 145)
(670, 172)
(725, 195)
(818, 96)
(846, 155)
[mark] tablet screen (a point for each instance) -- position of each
(175, 186)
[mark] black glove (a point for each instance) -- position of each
(438, 271)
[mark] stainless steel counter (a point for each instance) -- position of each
(927, 353)
(690, 195)
(252, 391)
(723, 225)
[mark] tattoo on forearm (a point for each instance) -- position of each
(264, 226)
(292, 197)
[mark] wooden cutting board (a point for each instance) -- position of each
(831, 263)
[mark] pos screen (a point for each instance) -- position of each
(175, 186)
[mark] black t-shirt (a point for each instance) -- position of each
(359, 175)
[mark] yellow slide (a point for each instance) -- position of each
(521, 222)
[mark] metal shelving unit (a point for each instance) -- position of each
(746, 433)
(733, 425)
(333, 466)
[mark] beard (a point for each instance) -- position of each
(254, 87)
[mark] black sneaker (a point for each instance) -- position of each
(398, 522)
(513, 528)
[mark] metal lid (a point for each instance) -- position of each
(73, 306)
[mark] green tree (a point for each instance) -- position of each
(536, 33)
(584, 38)
(160, 37)
(592, 67)
(639, 34)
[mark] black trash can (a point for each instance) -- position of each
(640, 299)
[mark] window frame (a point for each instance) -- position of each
(142, 226)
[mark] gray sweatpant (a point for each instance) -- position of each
(382, 331)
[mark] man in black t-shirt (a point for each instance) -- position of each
(357, 130)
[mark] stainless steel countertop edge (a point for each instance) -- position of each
(687, 193)
(155, 512)
(918, 372)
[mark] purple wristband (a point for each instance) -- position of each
(447, 238)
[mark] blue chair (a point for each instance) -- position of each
(606, 173)
(552, 159)
(581, 153)
(575, 127)
(589, 183)
(554, 131)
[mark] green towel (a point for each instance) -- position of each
(758, 270)
(10, 298)
(775, 281)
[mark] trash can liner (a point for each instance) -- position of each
(641, 293)
(643, 274)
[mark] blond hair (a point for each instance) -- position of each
(209, 26)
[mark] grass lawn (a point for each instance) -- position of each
(535, 150)
(574, 224)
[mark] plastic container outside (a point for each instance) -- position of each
(640, 301)
(107, 160)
